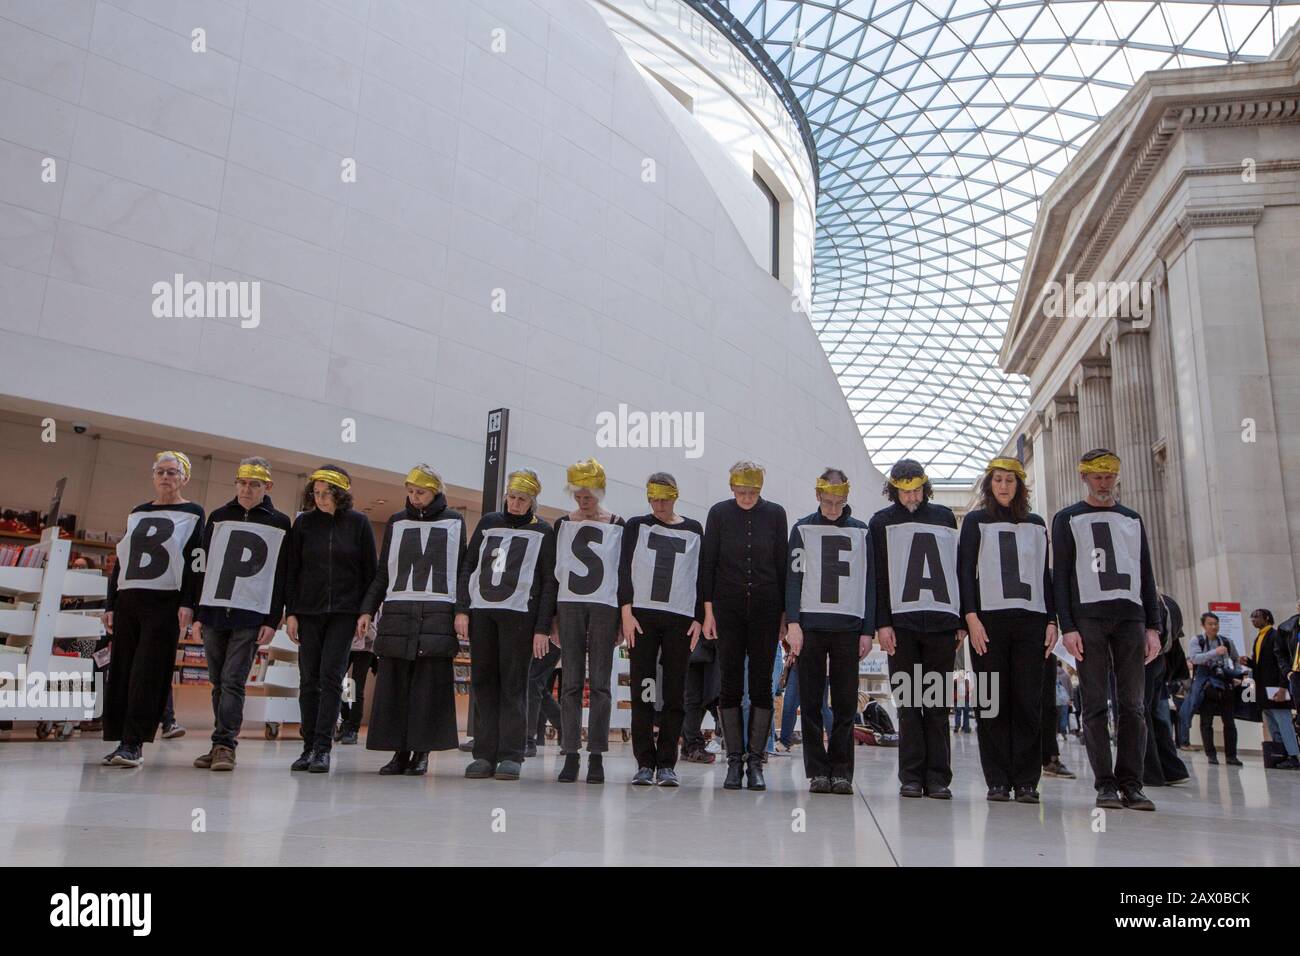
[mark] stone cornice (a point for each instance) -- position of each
(1199, 217)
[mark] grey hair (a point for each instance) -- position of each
(746, 465)
(574, 489)
(256, 460)
(531, 474)
(662, 478)
(429, 472)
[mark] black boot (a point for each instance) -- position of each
(733, 739)
(569, 773)
(595, 768)
(760, 722)
(419, 764)
(397, 765)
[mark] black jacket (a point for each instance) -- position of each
(226, 618)
(814, 621)
(190, 551)
(541, 596)
(924, 621)
(412, 629)
(331, 562)
(1269, 665)
(745, 554)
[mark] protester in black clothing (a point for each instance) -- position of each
(1270, 663)
(917, 623)
(1162, 766)
(1007, 603)
(506, 602)
(742, 579)
(331, 564)
(1109, 616)
(150, 605)
(240, 599)
(830, 609)
(414, 710)
(661, 606)
(588, 546)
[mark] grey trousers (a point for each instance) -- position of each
(588, 634)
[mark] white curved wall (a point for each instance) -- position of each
(477, 170)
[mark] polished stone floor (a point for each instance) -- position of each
(58, 806)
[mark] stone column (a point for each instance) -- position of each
(1090, 384)
(1063, 413)
(1042, 474)
(1133, 398)
(1168, 442)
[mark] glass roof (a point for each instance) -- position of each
(938, 126)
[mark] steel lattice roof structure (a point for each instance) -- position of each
(938, 125)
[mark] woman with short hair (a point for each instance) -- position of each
(414, 710)
(150, 605)
(331, 564)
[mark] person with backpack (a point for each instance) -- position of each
(1213, 656)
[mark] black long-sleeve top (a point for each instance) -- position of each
(541, 595)
(968, 555)
(1069, 607)
(745, 554)
(927, 513)
(436, 510)
(231, 618)
(193, 545)
(817, 621)
(331, 562)
(632, 531)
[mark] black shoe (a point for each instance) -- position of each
(735, 772)
(666, 777)
(349, 735)
(303, 761)
(339, 731)
(397, 765)
(1212, 759)
(320, 762)
(841, 785)
(819, 785)
(999, 794)
(645, 777)
(1108, 799)
(530, 749)
(911, 790)
(1290, 763)
(1134, 799)
(595, 768)
(1175, 781)
(419, 764)
(1234, 762)
(569, 772)
(938, 793)
(1026, 795)
(760, 722)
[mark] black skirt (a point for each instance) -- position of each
(414, 706)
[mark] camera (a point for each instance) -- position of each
(80, 428)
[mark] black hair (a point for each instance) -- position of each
(1209, 614)
(342, 499)
(1268, 615)
(903, 469)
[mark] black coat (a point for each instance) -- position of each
(409, 630)
(1269, 668)
(331, 562)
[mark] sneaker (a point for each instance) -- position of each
(783, 749)
(699, 755)
(1108, 799)
(1134, 799)
(666, 777)
(128, 757)
(468, 747)
(348, 735)
(714, 746)
(303, 761)
(1026, 795)
(645, 777)
(508, 770)
(1054, 768)
(172, 731)
(999, 795)
(223, 758)
(204, 761)
(841, 785)
(480, 769)
(108, 758)
(819, 785)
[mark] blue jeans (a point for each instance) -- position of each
(1281, 729)
(790, 709)
(961, 718)
(1063, 719)
(1191, 704)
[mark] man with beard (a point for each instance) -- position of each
(1109, 616)
(917, 622)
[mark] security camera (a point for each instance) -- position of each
(80, 428)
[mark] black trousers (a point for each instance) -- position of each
(360, 664)
(1049, 749)
(501, 648)
(702, 684)
(1114, 648)
(746, 630)
(663, 641)
(324, 642)
(1209, 710)
(839, 651)
(230, 653)
(1010, 675)
(1162, 762)
(923, 742)
(145, 635)
(542, 705)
